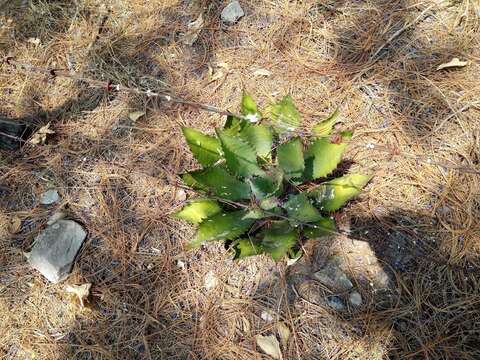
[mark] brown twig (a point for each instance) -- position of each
(16, 138)
(164, 95)
(110, 86)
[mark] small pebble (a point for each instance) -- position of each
(210, 280)
(355, 298)
(232, 13)
(49, 197)
(266, 315)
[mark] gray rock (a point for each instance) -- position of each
(336, 303)
(49, 197)
(333, 277)
(55, 249)
(355, 298)
(232, 13)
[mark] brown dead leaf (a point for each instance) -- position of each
(81, 291)
(14, 225)
(455, 62)
(135, 115)
(269, 345)
(217, 72)
(283, 333)
(40, 136)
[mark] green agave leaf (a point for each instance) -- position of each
(190, 181)
(294, 255)
(206, 149)
(299, 208)
(249, 108)
(279, 239)
(269, 203)
(260, 137)
(332, 195)
(325, 127)
(323, 156)
(198, 210)
(254, 214)
(231, 120)
(325, 226)
(290, 158)
(246, 247)
(219, 181)
(267, 185)
(239, 155)
(223, 226)
(234, 125)
(285, 115)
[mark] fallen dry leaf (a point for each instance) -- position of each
(81, 291)
(455, 62)
(269, 345)
(41, 135)
(262, 72)
(134, 116)
(218, 71)
(14, 225)
(283, 333)
(194, 29)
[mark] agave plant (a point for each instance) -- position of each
(265, 189)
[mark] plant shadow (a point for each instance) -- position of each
(406, 282)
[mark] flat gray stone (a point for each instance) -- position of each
(49, 197)
(55, 249)
(232, 13)
(355, 298)
(332, 276)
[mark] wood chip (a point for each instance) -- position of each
(455, 62)
(262, 72)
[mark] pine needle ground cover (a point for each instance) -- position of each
(381, 63)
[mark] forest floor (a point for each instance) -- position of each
(414, 250)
